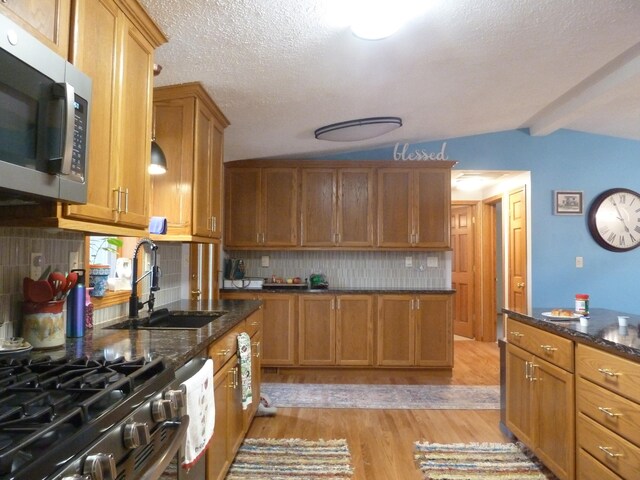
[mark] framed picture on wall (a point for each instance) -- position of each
(567, 202)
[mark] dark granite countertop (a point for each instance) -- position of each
(601, 330)
(343, 290)
(175, 346)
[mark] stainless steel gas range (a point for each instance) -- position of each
(89, 419)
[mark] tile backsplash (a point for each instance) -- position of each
(17, 244)
(351, 269)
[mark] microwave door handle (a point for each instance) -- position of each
(63, 164)
(69, 127)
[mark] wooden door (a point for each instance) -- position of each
(355, 207)
(134, 125)
(354, 330)
(519, 399)
(202, 172)
(318, 203)
(517, 251)
(242, 206)
(96, 52)
(395, 208)
(434, 333)
(171, 192)
(280, 213)
(279, 331)
(317, 330)
(462, 269)
(432, 201)
(555, 425)
(47, 20)
(396, 331)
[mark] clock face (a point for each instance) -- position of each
(614, 219)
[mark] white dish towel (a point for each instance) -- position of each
(201, 409)
(244, 352)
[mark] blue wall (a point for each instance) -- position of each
(565, 160)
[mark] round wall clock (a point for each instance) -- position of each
(614, 219)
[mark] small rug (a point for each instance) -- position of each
(478, 461)
(291, 459)
(428, 397)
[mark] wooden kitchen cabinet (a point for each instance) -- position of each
(337, 207)
(335, 330)
(47, 20)
(415, 330)
(278, 325)
(261, 206)
(113, 43)
(189, 128)
(540, 400)
(414, 207)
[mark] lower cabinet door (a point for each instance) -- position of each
(217, 454)
(354, 330)
(520, 415)
(396, 331)
(317, 330)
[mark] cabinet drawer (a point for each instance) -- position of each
(608, 448)
(608, 409)
(553, 348)
(614, 373)
(225, 347)
(253, 323)
(591, 469)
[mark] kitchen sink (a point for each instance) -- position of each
(163, 319)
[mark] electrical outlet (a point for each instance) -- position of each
(35, 267)
(579, 262)
(265, 261)
(74, 260)
(408, 262)
(432, 262)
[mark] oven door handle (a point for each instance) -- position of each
(160, 463)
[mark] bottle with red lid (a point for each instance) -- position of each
(582, 303)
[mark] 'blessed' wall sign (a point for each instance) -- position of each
(403, 154)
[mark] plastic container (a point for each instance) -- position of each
(582, 303)
(76, 309)
(88, 309)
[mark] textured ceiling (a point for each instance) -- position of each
(279, 69)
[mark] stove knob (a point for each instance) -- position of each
(100, 466)
(162, 410)
(136, 434)
(177, 398)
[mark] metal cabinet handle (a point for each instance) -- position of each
(548, 348)
(532, 377)
(223, 353)
(126, 200)
(608, 372)
(117, 192)
(607, 411)
(517, 334)
(527, 373)
(256, 349)
(417, 304)
(608, 451)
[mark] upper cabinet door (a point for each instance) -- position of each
(395, 207)
(432, 208)
(202, 223)
(47, 20)
(355, 207)
(319, 224)
(280, 212)
(242, 207)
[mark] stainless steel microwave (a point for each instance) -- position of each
(44, 121)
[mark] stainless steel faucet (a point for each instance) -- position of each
(134, 302)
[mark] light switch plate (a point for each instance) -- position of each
(74, 260)
(579, 262)
(35, 267)
(264, 261)
(432, 262)
(408, 262)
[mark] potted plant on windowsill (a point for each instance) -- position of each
(99, 273)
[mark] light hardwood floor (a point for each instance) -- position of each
(381, 441)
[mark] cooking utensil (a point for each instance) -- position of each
(40, 291)
(72, 279)
(58, 283)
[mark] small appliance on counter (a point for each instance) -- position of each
(244, 283)
(318, 281)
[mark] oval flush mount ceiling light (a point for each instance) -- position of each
(360, 129)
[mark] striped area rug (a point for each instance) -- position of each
(291, 459)
(478, 461)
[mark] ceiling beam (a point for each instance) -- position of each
(566, 108)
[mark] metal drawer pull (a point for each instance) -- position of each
(223, 353)
(607, 411)
(532, 377)
(548, 348)
(608, 372)
(517, 334)
(256, 349)
(608, 451)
